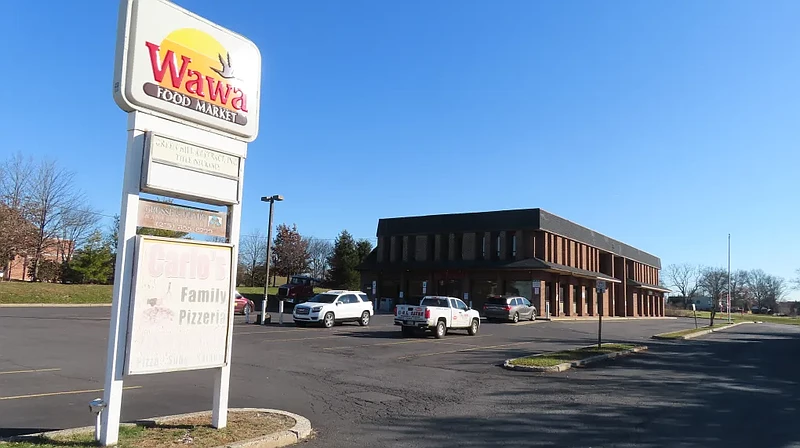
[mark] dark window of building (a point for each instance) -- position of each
(400, 248)
(459, 246)
(412, 248)
(480, 242)
(445, 251)
(511, 240)
(430, 248)
(496, 250)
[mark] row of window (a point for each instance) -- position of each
(482, 250)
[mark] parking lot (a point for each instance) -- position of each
(347, 380)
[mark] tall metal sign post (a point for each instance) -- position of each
(601, 288)
(192, 92)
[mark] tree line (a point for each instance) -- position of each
(332, 263)
(748, 288)
(45, 217)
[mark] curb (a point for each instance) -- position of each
(300, 431)
(54, 305)
(606, 319)
(568, 365)
(696, 333)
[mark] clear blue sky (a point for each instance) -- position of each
(666, 124)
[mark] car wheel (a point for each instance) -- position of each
(515, 319)
(364, 321)
(407, 332)
(328, 321)
(441, 330)
(246, 310)
(473, 329)
(533, 315)
(300, 324)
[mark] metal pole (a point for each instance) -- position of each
(600, 320)
(729, 278)
(269, 255)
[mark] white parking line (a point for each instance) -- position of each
(411, 341)
(14, 372)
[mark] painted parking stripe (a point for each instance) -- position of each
(464, 350)
(337, 331)
(14, 372)
(417, 341)
(68, 392)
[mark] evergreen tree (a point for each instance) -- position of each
(363, 249)
(93, 263)
(343, 262)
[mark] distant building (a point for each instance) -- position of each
(553, 262)
(54, 250)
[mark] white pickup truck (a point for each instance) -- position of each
(438, 314)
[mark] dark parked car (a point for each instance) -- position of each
(299, 289)
(509, 308)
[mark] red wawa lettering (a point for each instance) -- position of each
(194, 83)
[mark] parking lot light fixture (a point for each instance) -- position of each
(272, 200)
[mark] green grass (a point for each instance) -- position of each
(57, 293)
(555, 358)
(192, 431)
(679, 334)
(735, 317)
(54, 293)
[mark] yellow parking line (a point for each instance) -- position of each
(413, 341)
(13, 372)
(463, 350)
(69, 392)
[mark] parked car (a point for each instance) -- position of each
(333, 307)
(298, 289)
(243, 305)
(509, 308)
(437, 314)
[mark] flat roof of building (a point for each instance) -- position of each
(520, 219)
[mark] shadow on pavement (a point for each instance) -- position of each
(700, 393)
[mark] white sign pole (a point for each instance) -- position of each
(222, 376)
(115, 358)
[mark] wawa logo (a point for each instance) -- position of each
(193, 70)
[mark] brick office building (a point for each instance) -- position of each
(532, 253)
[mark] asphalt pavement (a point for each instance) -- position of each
(368, 387)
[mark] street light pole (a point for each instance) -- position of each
(271, 200)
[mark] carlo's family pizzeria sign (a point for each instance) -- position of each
(175, 64)
(180, 306)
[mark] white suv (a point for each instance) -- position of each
(334, 306)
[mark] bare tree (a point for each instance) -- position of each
(766, 289)
(319, 251)
(683, 277)
(796, 280)
(15, 181)
(17, 236)
(714, 282)
(252, 253)
(740, 292)
(77, 225)
(52, 193)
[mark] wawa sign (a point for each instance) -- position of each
(177, 65)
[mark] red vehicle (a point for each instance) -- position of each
(243, 304)
(299, 289)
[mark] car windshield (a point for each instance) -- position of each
(298, 281)
(324, 298)
(435, 302)
(497, 301)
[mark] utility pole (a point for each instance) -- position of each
(271, 200)
(729, 278)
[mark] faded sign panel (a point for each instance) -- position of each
(180, 306)
(161, 215)
(193, 157)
